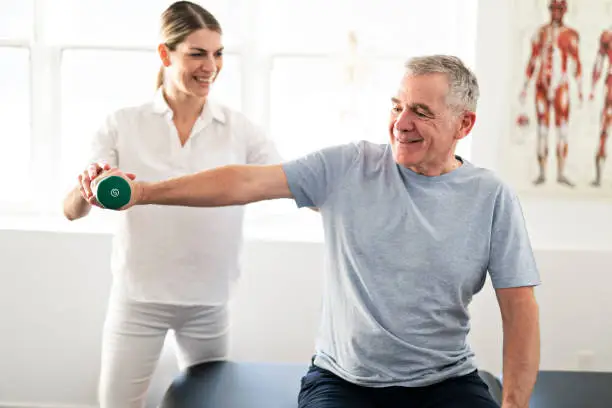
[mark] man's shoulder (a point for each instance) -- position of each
(357, 150)
(372, 147)
(488, 181)
(368, 156)
(342, 156)
(371, 152)
(490, 193)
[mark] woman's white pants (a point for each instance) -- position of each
(133, 338)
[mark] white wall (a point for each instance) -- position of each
(53, 291)
(52, 302)
(53, 298)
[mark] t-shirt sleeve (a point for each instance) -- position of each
(512, 262)
(312, 178)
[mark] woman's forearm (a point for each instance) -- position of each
(75, 206)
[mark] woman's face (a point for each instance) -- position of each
(195, 63)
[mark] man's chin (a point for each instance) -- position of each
(403, 159)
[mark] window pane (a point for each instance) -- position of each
(15, 118)
(305, 105)
(133, 22)
(16, 19)
(407, 27)
(301, 26)
(95, 83)
(391, 27)
(314, 103)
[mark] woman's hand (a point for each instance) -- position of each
(86, 177)
(129, 177)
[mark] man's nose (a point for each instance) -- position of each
(404, 122)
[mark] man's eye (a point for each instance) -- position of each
(396, 109)
(420, 113)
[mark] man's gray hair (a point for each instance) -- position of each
(464, 91)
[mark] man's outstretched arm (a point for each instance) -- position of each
(222, 186)
(308, 180)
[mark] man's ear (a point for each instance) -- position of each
(466, 124)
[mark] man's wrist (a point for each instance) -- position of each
(141, 192)
(513, 404)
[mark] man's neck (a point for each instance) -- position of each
(437, 169)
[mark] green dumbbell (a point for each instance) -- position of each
(112, 192)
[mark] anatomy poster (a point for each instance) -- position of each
(561, 99)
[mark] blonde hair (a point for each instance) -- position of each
(178, 21)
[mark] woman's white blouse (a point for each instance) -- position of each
(172, 254)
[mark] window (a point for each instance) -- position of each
(97, 82)
(67, 65)
(313, 73)
(314, 104)
(329, 87)
(16, 19)
(93, 84)
(15, 116)
(114, 23)
(16, 27)
(302, 27)
(303, 105)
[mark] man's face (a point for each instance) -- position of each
(423, 128)
(557, 9)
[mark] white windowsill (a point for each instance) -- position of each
(298, 226)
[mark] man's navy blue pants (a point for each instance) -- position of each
(323, 389)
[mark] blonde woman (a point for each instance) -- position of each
(172, 266)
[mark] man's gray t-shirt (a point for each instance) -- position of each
(405, 253)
